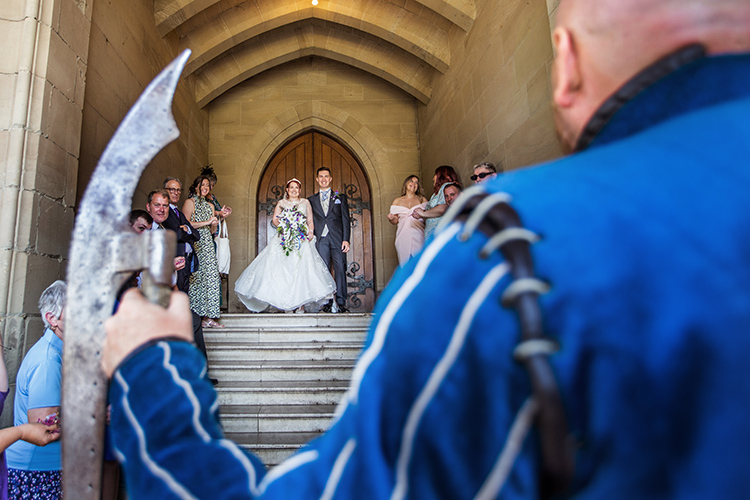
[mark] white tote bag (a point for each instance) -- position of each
(223, 253)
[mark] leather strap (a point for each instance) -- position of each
(557, 450)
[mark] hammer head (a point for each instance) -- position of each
(152, 254)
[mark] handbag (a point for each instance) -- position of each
(223, 253)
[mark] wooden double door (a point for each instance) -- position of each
(300, 158)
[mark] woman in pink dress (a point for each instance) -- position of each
(410, 232)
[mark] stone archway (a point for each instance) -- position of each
(349, 131)
(300, 158)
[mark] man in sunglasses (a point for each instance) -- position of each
(483, 172)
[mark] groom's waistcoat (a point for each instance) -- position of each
(337, 217)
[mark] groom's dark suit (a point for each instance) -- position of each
(329, 246)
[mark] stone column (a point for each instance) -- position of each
(42, 79)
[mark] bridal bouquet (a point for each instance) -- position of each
(292, 229)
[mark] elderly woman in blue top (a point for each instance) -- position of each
(33, 471)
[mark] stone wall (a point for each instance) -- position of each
(374, 119)
(493, 103)
(126, 53)
(42, 84)
(552, 10)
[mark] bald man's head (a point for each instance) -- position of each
(601, 44)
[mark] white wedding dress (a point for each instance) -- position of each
(283, 281)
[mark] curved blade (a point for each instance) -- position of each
(101, 221)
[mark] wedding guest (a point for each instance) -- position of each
(36, 433)
(288, 273)
(204, 289)
(451, 192)
(410, 232)
(220, 211)
(484, 171)
(187, 237)
(436, 207)
(140, 220)
(157, 206)
(34, 471)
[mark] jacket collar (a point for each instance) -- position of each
(681, 82)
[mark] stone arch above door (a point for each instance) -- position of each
(328, 119)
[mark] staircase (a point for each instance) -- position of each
(281, 376)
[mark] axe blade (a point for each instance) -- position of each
(92, 280)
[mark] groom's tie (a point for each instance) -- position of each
(324, 197)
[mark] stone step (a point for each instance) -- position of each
(244, 352)
(281, 376)
(280, 392)
(265, 370)
(272, 448)
(277, 418)
(216, 337)
(281, 320)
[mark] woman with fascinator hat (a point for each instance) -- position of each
(220, 211)
(205, 284)
(289, 272)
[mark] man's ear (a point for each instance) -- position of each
(51, 319)
(567, 75)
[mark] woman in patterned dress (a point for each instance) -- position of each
(205, 285)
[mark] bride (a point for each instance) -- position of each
(289, 272)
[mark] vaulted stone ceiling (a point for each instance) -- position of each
(406, 42)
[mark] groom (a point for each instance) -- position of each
(331, 220)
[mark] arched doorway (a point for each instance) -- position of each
(300, 158)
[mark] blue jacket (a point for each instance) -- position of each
(645, 245)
